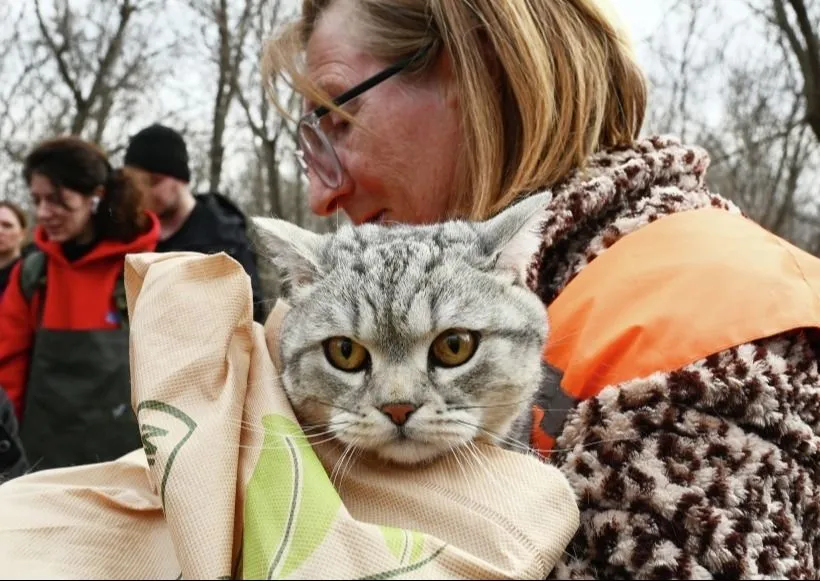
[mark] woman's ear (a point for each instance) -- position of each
(96, 198)
(445, 77)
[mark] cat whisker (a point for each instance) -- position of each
(500, 438)
(310, 435)
(469, 460)
(335, 406)
(504, 481)
(456, 457)
(329, 428)
(596, 443)
(469, 467)
(480, 469)
(306, 435)
(342, 465)
(518, 446)
(314, 438)
(500, 405)
(325, 440)
(337, 465)
(283, 446)
(357, 452)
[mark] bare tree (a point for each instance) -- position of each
(10, 39)
(89, 52)
(799, 22)
(269, 171)
(227, 53)
(277, 186)
(271, 132)
(746, 104)
(84, 67)
(15, 72)
(680, 76)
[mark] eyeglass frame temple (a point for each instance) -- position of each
(371, 82)
(313, 117)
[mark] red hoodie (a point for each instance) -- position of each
(79, 296)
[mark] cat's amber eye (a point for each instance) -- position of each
(453, 347)
(345, 354)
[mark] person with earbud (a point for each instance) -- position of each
(64, 358)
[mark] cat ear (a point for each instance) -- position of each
(514, 235)
(294, 250)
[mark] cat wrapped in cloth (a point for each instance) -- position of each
(409, 342)
(229, 485)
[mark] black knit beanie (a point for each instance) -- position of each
(161, 150)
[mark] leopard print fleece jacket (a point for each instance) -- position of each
(711, 471)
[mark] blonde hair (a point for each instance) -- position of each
(543, 84)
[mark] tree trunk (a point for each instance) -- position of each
(804, 40)
(272, 174)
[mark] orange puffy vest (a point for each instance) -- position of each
(684, 287)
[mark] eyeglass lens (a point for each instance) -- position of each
(319, 155)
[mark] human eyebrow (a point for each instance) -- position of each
(330, 88)
(48, 196)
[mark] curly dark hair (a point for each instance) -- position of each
(81, 166)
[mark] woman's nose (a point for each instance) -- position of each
(323, 200)
(41, 211)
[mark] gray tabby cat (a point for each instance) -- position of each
(410, 341)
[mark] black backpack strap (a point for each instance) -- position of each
(33, 278)
(33, 273)
(120, 300)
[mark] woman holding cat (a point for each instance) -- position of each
(687, 415)
(64, 360)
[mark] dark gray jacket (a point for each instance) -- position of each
(13, 460)
(216, 224)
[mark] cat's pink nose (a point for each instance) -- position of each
(398, 412)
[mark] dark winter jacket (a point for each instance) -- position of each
(13, 460)
(217, 225)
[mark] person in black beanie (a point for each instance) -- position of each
(207, 223)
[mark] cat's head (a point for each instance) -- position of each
(409, 341)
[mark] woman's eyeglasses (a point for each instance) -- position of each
(314, 148)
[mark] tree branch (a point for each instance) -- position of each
(112, 53)
(808, 56)
(58, 52)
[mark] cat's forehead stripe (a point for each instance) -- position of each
(390, 282)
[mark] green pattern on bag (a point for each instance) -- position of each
(290, 503)
(405, 545)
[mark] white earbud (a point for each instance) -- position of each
(95, 203)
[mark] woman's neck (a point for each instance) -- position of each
(85, 237)
(79, 246)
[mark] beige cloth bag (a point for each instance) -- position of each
(228, 486)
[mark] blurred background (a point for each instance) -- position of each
(739, 77)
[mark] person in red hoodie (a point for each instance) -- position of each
(64, 360)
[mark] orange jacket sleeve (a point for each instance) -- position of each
(16, 340)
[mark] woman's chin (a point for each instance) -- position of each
(57, 236)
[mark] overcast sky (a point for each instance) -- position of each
(641, 15)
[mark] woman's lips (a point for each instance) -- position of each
(376, 218)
